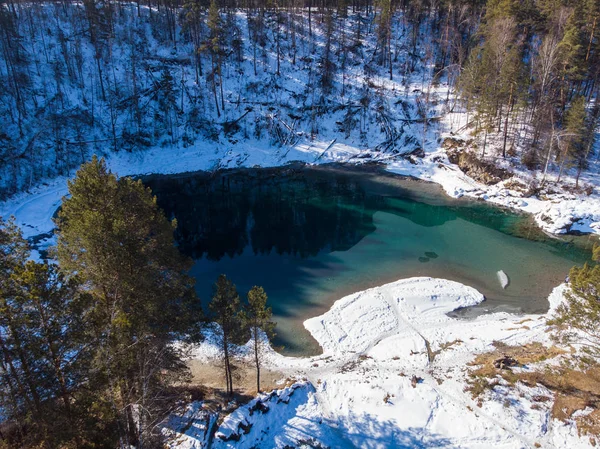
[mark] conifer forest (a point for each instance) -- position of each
(147, 146)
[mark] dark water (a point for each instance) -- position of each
(309, 236)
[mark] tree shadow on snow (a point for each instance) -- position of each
(368, 431)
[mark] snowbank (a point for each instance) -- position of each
(358, 321)
(393, 374)
(563, 213)
(190, 427)
(262, 413)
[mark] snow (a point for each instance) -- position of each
(189, 428)
(278, 407)
(373, 341)
(359, 393)
(559, 214)
(34, 208)
(358, 321)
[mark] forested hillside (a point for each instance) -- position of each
(102, 76)
(96, 342)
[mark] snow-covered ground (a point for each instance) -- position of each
(360, 392)
(406, 99)
(560, 213)
(402, 98)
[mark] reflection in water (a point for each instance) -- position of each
(300, 216)
(312, 235)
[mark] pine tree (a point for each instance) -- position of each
(55, 315)
(576, 320)
(575, 129)
(193, 23)
(45, 352)
(215, 47)
(225, 306)
(257, 317)
(384, 33)
(167, 102)
(116, 240)
(572, 54)
(18, 390)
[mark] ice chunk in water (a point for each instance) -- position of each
(503, 278)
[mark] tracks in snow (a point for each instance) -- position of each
(316, 375)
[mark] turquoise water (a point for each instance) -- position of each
(309, 236)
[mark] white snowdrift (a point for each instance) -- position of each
(260, 413)
(190, 427)
(34, 209)
(358, 321)
(374, 342)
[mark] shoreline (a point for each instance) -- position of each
(358, 373)
(34, 209)
(378, 169)
(376, 342)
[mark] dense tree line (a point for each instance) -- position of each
(107, 75)
(91, 347)
(101, 76)
(532, 78)
(111, 76)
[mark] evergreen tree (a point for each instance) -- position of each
(572, 54)
(575, 130)
(21, 397)
(115, 239)
(384, 34)
(257, 317)
(45, 354)
(225, 306)
(576, 320)
(193, 23)
(215, 46)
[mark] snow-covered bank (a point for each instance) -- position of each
(34, 209)
(393, 374)
(557, 214)
(200, 137)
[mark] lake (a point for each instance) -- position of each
(311, 235)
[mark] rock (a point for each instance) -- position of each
(259, 406)
(505, 362)
(482, 171)
(418, 152)
(451, 143)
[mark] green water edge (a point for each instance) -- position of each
(313, 234)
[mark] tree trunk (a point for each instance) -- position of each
(510, 102)
(256, 359)
(214, 85)
(228, 381)
(589, 49)
(484, 143)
